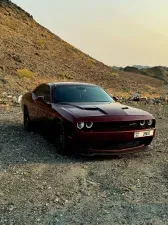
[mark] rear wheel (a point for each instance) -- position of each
(60, 139)
(26, 120)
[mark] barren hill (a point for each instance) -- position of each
(159, 72)
(30, 54)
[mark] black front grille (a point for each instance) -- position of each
(117, 145)
(118, 126)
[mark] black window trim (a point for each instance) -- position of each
(41, 85)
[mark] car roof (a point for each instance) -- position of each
(70, 84)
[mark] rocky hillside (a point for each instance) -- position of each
(158, 72)
(141, 66)
(31, 54)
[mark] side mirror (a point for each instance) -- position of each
(40, 98)
(115, 98)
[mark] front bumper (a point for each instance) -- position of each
(93, 152)
(110, 143)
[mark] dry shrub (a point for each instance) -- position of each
(65, 75)
(10, 23)
(115, 74)
(25, 73)
(41, 43)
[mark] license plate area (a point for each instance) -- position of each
(145, 133)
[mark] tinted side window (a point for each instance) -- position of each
(43, 90)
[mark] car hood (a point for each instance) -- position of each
(101, 109)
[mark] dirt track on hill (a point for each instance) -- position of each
(37, 186)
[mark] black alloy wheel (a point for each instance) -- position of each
(60, 139)
(26, 120)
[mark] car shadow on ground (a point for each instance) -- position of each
(20, 147)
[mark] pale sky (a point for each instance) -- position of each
(116, 32)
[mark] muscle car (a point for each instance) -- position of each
(83, 118)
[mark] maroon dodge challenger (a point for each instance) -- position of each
(83, 118)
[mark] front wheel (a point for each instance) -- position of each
(60, 139)
(26, 120)
(148, 141)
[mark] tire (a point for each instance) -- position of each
(60, 139)
(148, 142)
(26, 120)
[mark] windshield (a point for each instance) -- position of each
(80, 93)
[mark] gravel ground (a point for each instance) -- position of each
(37, 186)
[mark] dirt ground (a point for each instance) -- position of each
(37, 186)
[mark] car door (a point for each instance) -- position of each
(42, 107)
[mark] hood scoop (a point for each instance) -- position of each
(90, 108)
(125, 107)
(94, 109)
(85, 108)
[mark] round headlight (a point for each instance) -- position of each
(89, 125)
(142, 123)
(80, 125)
(150, 122)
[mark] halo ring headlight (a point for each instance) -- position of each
(80, 125)
(142, 123)
(89, 125)
(150, 122)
